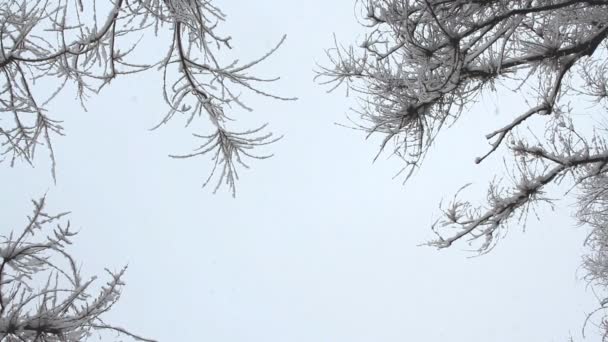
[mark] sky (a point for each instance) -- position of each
(321, 243)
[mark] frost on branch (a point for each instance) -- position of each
(229, 150)
(43, 297)
(593, 211)
(422, 63)
(50, 44)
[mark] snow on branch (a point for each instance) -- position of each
(422, 62)
(89, 44)
(43, 296)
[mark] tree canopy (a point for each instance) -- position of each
(423, 63)
(420, 66)
(64, 307)
(89, 44)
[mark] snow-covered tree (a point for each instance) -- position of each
(48, 44)
(423, 62)
(43, 296)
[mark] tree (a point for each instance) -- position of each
(43, 297)
(422, 62)
(48, 44)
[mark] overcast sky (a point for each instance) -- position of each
(320, 244)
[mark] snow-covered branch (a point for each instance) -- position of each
(422, 63)
(90, 44)
(42, 294)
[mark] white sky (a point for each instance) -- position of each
(320, 244)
